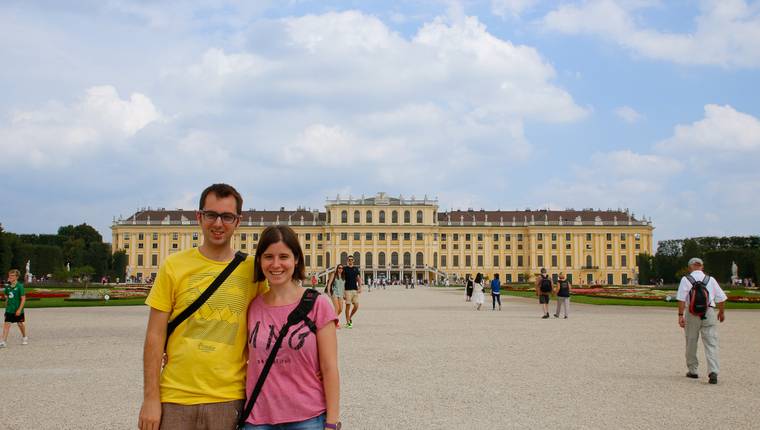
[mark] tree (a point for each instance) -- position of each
(118, 267)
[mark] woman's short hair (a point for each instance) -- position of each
(272, 235)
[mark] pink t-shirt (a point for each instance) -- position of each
(293, 390)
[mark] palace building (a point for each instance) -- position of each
(397, 238)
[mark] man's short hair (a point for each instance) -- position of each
(543, 270)
(222, 191)
(697, 261)
(15, 272)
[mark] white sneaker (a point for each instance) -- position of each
(2, 344)
(25, 340)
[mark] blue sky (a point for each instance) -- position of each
(649, 105)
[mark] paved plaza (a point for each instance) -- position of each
(423, 359)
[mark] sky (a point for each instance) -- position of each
(107, 107)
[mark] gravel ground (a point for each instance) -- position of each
(423, 359)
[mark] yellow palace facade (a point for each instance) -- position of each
(397, 238)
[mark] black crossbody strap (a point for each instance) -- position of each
(300, 313)
(239, 258)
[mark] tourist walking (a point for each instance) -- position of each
(698, 295)
(468, 288)
(202, 382)
(563, 294)
(478, 295)
(543, 290)
(495, 291)
(336, 289)
(353, 289)
(301, 390)
(15, 302)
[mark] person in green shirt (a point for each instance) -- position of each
(15, 299)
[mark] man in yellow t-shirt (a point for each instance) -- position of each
(203, 382)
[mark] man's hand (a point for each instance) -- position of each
(150, 415)
(721, 316)
(681, 321)
(18, 312)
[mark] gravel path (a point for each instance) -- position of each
(423, 359)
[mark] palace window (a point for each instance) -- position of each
(588, 236)
(419, 217)
(554, 261)
(394, 236)
(623, 261)
(443, 237)
(368, 237)
(480, 261)
(496, 237)
(407, 217)
(455, 260)
(540, 236)
(175, 236)
(155, 236)
(381, 217)
(468, 237)
(480, 237)
(357, 217)
(540, 261)
(140, 245)
(443, 261)
(394, 217)
(407, 236)
(568, 261)
(456, 237)
(344, 217)
(357, 237)
(609, 261)
(519, 261)
(508, 260)
(507, 237)
(368, 218)
(140, 236)
(567, 237)
(381, 236)
(554, 237)
(519, 237)
(344, 236)
(609, 236)
(419, 236)
(154, 245)
(467, 260)
(495, 261)
(308, 236)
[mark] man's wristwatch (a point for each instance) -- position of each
(335, 426)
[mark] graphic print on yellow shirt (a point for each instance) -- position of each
(207, 352)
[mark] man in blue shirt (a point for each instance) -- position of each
(496, 291)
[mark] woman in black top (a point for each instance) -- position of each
(563, 295)
(468, 288)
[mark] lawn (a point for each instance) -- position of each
(628, 302)
(61, 303)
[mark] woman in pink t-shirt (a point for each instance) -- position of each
(302, 390)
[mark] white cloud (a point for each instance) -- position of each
(723, 131)
(628, 114)
(56, 133)
(726, 31)
(513, 8)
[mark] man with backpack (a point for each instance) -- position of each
(698, 295)
(544, 288)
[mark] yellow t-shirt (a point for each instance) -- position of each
(207, 352)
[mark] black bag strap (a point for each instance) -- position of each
(300, 313)
(194, 306)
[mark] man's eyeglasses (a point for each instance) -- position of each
(211, 216)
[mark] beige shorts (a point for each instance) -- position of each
(212, 416)
(352, 297)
